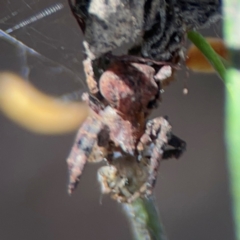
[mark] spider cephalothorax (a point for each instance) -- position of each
(120, 125)
(123, 86)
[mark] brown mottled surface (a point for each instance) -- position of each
(128, 87)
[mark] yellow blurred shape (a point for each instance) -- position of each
(196, 60)
(36, 111)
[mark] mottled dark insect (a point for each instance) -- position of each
(120, 125)
(156, 28)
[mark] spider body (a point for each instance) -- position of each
(125, 89)
(120, 125)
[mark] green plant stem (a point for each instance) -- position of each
(200, 42)
(232, 118)
(144, 219)
(231, 77)
(232, 136)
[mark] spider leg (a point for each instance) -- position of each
(158, 131)
(90, 79)
(111, 182)
(86, 148)
(106, 176)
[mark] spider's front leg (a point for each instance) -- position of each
(90, 79)
(158, 132)
(94, 68)
(89, 71)
(91, 144)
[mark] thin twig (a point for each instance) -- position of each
(144, 219)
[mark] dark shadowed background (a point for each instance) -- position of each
(192, 193)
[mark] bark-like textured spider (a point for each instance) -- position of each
(120, 125)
